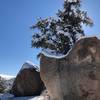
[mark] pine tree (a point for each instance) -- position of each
(61, 33)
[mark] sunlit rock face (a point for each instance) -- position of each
(75, 76)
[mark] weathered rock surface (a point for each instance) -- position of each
(76, 76)
(27, 82)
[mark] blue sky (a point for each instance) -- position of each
(16, 17)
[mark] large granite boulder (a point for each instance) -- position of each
(75, 76)
(27, 82)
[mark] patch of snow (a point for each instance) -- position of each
(79, 36)
(7, 77)
(71, 0)
(89, 36)
(30, 98)
(53, 54)
(29, 64)
(7, 96)
(93, 35)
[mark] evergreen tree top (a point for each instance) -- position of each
(61, 33)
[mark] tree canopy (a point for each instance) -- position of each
(61, 33)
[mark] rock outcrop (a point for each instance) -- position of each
(2, 87)
(75, 76)
(6, 83)
(27, 82)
